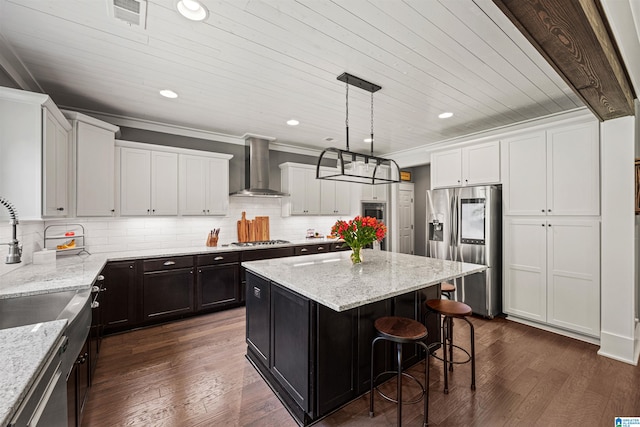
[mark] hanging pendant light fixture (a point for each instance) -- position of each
(345, 165)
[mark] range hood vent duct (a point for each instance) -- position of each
(256, 169)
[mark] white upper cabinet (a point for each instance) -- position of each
(34, 154)
(204, 185)
(553, 172)
(304, 189)
(473, 165)
(481, 164)
(376, 192)
(446, 169)
(573, 170)
(335, 197)
(135, 181)
(524, 190)
(164, 183)
(94, 145)
(148, 182)
(55, 166)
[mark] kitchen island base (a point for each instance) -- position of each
(316, 359)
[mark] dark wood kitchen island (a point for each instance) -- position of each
(310, 321)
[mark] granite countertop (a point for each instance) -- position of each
(331, 280)
(23, 351)
(79, 271)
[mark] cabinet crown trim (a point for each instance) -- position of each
(169, 149)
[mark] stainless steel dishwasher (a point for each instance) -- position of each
(46, 402)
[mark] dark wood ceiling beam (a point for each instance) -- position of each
(574, 37)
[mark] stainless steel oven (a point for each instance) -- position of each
(377, 210)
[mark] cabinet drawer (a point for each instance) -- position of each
(218, 258)
(168, 263)
(258, 254)
(339, 246)
(319, 248)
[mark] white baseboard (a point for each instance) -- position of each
(618, 347)
(549, 328)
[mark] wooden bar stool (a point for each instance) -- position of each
(401, 330)
(450, 309)
(448, 290)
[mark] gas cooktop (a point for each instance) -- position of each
(260, 243)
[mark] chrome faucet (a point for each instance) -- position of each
(15, 247)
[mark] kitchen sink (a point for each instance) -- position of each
(31, 309)
(75, 306)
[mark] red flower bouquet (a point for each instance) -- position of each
(358, 233)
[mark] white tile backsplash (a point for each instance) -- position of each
(113, 234)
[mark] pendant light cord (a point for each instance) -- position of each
(372, 123)
(346, 121)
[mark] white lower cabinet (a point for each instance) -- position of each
(552, 271)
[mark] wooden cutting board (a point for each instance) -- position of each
(253, 230)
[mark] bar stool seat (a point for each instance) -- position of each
(447, 289)
(449, 310)
(400, 330)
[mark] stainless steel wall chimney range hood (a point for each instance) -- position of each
(256, 169)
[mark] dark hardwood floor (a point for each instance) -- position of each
(194, 373)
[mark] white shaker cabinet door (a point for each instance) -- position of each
(135, 181)
(524, 175)
(574, 274)
(193, 185)
(95, 171)
(573, 167)
(446, 169)
(327, 197)
(525, 275)
(55, 164)
(481, 164)
(343, 197)
(217, 202)
(164, 183)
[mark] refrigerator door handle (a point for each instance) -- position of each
(452, 221)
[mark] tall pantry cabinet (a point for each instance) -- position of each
(34, 155)
(552, 227)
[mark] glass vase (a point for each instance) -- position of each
(355, 255)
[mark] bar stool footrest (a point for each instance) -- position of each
(404, 374)
(456, 362)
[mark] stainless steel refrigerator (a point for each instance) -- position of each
(465, 224)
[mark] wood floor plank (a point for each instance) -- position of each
(193, 373)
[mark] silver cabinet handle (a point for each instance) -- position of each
(304, 250)
(321, 248)
(169, 263)
(218, 258)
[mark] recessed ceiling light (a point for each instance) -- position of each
(293, 122)
(192, 9)
(445, 115)
(368, 140)
(329, 139)
(167, 93)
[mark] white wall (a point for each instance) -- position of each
(117, 234)
(618, 242)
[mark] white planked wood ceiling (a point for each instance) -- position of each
(252, 65)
